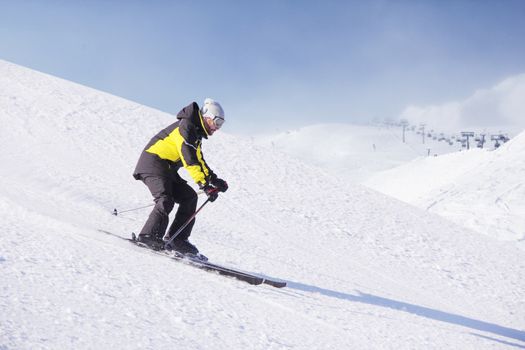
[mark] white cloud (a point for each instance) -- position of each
(502, 106)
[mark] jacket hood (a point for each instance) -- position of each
(193, 115)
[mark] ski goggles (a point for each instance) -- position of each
(218, 121)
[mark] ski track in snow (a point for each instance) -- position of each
(364, 270)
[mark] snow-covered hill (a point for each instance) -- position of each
(479, 189)
(364, 271)
(482, 190)
(354, 152)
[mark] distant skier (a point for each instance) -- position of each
(179, 145)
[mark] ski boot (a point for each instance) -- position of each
(151, 241)
(183, 248)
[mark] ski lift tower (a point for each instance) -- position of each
(496, 139)
(499, 138)
(480, 140)
(404, 124)
(466, 135)
(422, 128)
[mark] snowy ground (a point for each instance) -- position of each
(352, 151)
(365, 271)
(482, 190)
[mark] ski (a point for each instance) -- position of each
(206, 265)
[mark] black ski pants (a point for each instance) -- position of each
(166, 192)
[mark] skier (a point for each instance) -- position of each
(179, 145)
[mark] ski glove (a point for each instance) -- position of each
(211, 192)
(220, 184)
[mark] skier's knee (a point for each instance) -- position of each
(189, 203)
(192, 200)
(165, 204)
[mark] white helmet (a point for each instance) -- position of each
(212, 109)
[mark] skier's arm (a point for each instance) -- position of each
(189, 147)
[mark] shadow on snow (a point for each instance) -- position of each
(416, 310)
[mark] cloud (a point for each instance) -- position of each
(502, 106)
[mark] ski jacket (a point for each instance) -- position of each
(178, 145)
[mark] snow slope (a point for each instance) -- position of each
(482, 190)
(364, 271)
(354, 152)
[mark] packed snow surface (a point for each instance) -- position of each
(482, 190)
(364, 271)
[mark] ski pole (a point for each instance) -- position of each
(116, 212)
(167, 244)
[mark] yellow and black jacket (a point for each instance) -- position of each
(178, 145)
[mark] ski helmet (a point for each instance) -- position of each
(212, 109)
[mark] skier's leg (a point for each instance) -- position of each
(186, 197)
(161, 190)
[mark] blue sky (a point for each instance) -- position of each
(273, 64)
